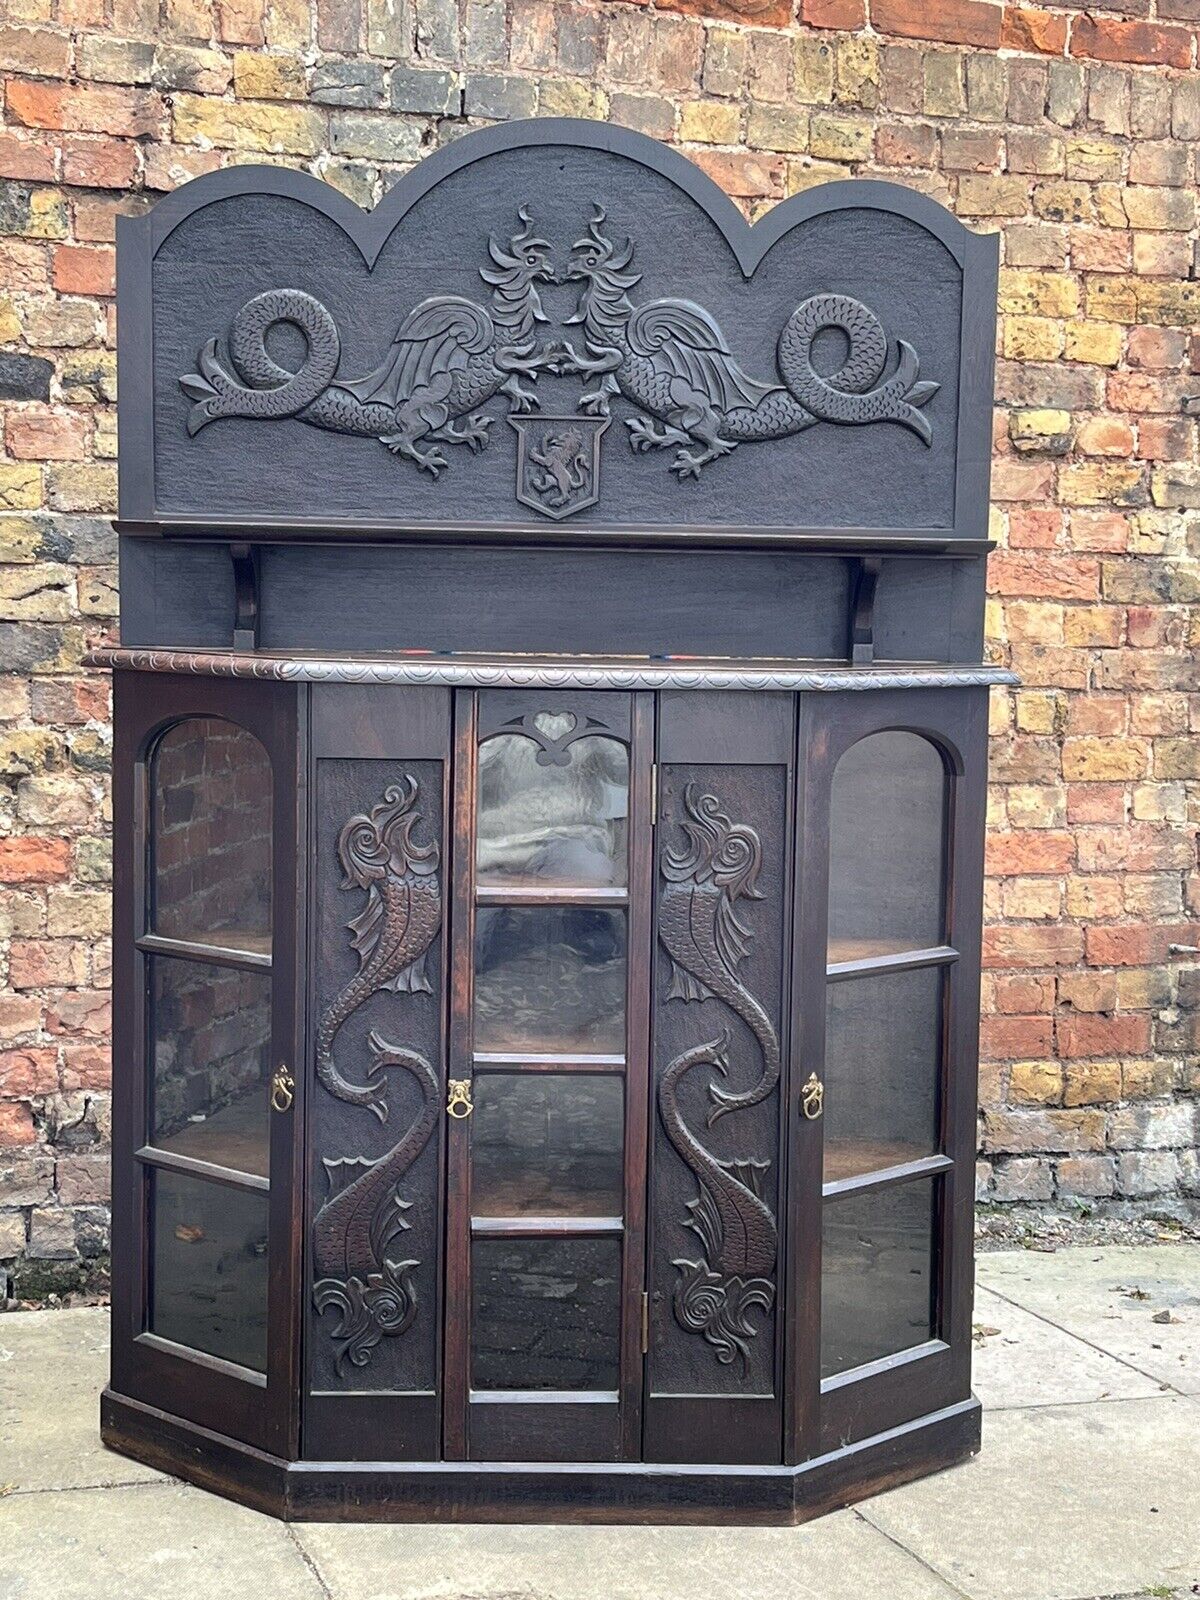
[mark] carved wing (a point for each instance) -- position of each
(683, 340)
(436, 338)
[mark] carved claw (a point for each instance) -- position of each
(431, 461)
(687, 464)
(473, 433)
(594, 403)
(523, 399)
(647, 434)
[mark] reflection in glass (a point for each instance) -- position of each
(209, 1268)
(550, 979)
(547, 1145)
(210, 1031)
(546, 1313)
(552, 817)
(876, 1275)
(885, 847)
(210, 788)
(882, 1049)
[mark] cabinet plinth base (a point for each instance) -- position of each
(336, 1491)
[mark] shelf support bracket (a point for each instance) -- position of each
(864, 579)
(246, 574)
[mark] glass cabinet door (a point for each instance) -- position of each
(894, 832)
(547, 1067)
(208, 1114)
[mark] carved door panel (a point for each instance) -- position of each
(719, 1007)
(547, 1102)
(378, 851)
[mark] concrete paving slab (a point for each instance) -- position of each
(53, 1365)
(1022, 1360)
(145, 1542)
(837, 1558)
(1097, 1295)
(1072, 1501)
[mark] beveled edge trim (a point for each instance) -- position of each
(555, 675)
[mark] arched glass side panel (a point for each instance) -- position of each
(210, 801)
(886, 825)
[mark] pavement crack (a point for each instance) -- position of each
(309, 1561)
(899, 1544)
(1091, 1343)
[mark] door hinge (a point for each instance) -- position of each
(645, 1323)
(654, 795)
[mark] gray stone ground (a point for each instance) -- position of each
(1087, 1360)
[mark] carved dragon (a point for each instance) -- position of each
(672, 361)
(707, 943)
(360, 1222)
(449, 357)
(391, 934)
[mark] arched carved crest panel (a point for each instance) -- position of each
(659, 363)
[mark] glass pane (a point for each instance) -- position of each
(210, 786)
(882, 1050)
(209, 1282)
(547, 1145)
(552, 817)
(876, 1275)
(211, 1050)
(885, 847)
(546, 1313)
(550, 979)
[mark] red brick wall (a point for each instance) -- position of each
(1072, 132)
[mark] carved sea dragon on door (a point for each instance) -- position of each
(362, 1220)
(706, 942)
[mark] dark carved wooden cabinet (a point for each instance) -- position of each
(548, 870)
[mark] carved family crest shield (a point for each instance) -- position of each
(558, 463)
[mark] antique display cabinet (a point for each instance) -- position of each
(550, 773)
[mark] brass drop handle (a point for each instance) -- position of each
(458, 1102)
(812, 1097)
(283, 1090)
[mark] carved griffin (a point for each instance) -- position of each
(449, 357)
(671, 360)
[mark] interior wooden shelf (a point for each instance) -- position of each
(542, 894)
(856, 1158)
(219, 943)
(236, 1137)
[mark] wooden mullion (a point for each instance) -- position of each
(461, 963)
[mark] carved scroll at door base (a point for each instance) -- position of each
(362, 1220)
(706, 942)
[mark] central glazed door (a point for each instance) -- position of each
(547, 1094)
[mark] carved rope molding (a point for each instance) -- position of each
(362, 1219)
(528, 675)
